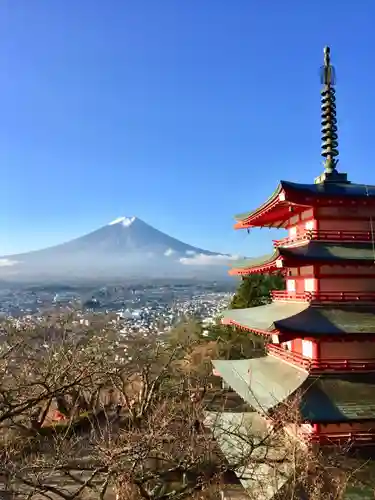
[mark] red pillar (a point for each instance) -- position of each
(316, 429)
(316, 350)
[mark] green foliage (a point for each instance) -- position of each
(255, 290)
(185, 333)
(234, 343)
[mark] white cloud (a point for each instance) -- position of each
(202, 259)
(190, 252)
(8, 262)
(169, 252)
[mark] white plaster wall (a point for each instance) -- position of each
(301, 227)
(287, 345)
(310, 284)
(307, 349)
(307, 428)
(292, 233)
(301, 432)
(291, 285)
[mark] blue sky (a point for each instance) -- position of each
(182, 112)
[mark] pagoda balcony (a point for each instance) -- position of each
(341, 236)
(321, 365)
(357, 439)
(322, 438)
(286, 295)
(324, 297)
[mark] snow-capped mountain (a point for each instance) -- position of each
(126, 247)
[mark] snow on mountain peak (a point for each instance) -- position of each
(124, 221)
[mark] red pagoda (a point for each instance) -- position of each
(320, 331)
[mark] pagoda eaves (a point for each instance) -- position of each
(290, 199)
(308, 253)
(324, 400)
(324, 322)
(290, 320)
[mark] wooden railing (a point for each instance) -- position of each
(325, 236)
(324, 296)
(286, 295)
(334, 364)
(333, 438)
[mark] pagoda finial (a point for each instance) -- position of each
(329, 122)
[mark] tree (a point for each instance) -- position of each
(186, 332)
(255, 290)
(233, 343)
(130, 425)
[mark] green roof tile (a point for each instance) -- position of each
(236, 434)
(339, 397)
(251, 262)
(266, 382)
(264, 317)
(245, 215)
(318, 251)
(262, 382)
(304, 318)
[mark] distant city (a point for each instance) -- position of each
(155, 280)
(148, 308)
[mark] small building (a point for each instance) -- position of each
(320, 331)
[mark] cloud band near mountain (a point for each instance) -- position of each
(202, 259)
(8, 262)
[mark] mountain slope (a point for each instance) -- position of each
(127, 246)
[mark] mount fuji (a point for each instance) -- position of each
(125, 248)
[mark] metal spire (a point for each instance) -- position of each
(329, 122)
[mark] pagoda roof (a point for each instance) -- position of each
(304, 319)
(339, 397)
(266, 382)
(241, 434)
(262, 382)
(309, 253)
(329, 189)
(300, 196)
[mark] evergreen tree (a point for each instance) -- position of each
(255, 290)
